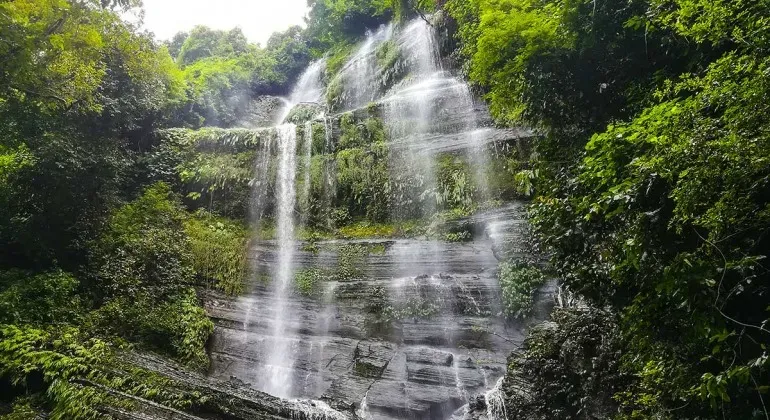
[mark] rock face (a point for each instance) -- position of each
(228, 399)
(410, 329)
(262, 111)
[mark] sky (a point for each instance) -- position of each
(257, 18)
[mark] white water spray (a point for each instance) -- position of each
(495, 402)
(279, 366)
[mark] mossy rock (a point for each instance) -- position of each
(304, 112)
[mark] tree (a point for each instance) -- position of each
(203, 42)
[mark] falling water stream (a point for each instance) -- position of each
(296, 347)
(278, 372)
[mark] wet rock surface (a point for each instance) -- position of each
(224, 399)
(443, 342)
(262, 111)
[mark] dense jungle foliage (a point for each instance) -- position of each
(108, 231)
(651, 194)
(650, 179)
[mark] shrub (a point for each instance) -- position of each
(144, 247)
(145, 267)
(218, 251)
(519, 282)
(307, 281)
(38, 298)
(68, 372)
(176, 326)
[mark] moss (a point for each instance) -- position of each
(377, 249)
(337, 58)
(334, 93)
(367, 370)
(387, 55)
(307, 282)
(368, 230)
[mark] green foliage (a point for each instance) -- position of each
(363, 181)
(387, 54)
(334, 93)
(462, 236)
(355, 134)
(176, 325)
(378, 322)
(650, 178)
(23, 409)
(291, 54)
(351, 260)
(219, 248)
(43, 298)
(74, 372)
(76, 84)
(518, 283)
(223, 72)
(308, 281)
(368, 230)
(144, 264)
(203, 42)
(144, 247)
(80, 44)
(218, 89)
(214, 165)
(302, 113)
(413, 308)
(585, 57)
(60, 357)
(335, 22)
(456, 189)
(659, 201)
(337, 57)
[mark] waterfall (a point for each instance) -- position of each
(280, 361)
(359, 73)
(307, 89)
(276, 375)
(307, 138)
(363, 409)
(415, 335)
(329, 179)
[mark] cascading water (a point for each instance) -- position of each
(307, 90)
(307, 138)
(495, 402)
(278, 373)
(358, 76)
(329, 168)
(444, 344)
